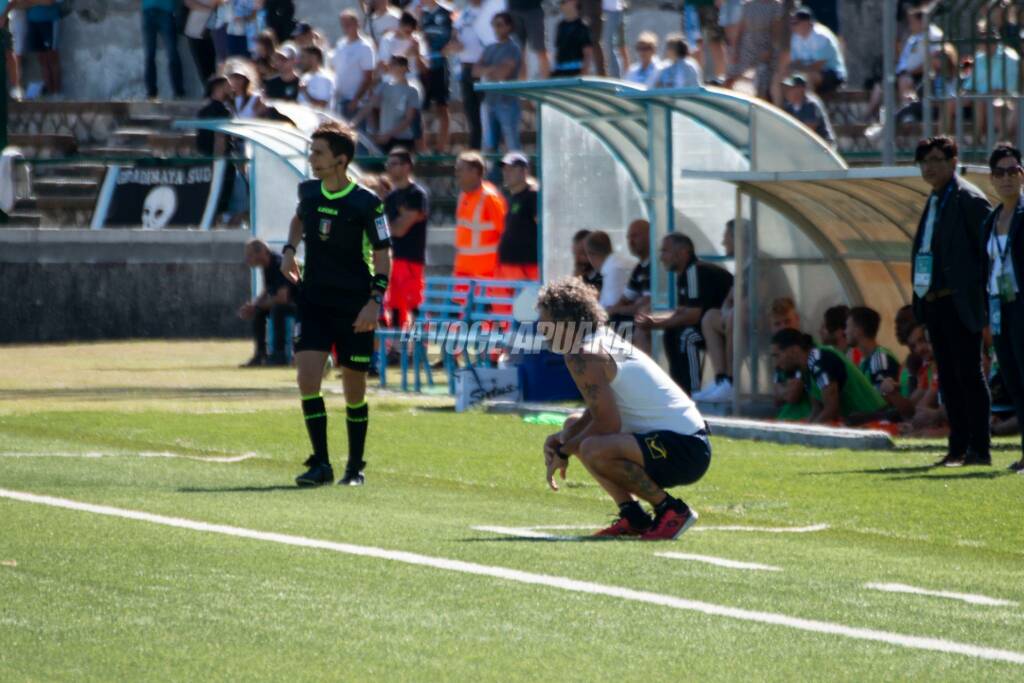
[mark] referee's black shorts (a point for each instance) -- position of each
(674, 459)
(319, 328)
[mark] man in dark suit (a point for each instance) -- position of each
(950, 268)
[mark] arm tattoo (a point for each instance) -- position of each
(579, 365)
(590, 391)
(638, 482)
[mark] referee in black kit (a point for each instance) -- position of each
(949, 272)
(340, 293)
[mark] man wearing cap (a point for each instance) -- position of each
(517, 251)
(814, 50)
(304, 36)
(353, 63)
(317, 86)
(285, 84)
(807, 108)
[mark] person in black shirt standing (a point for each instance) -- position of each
(284, 85)
(517, 251)
(276, 302)
(949, 268)
(408, 209)
(211, 144)
(700, 287)
(340, 293)
(574, 48)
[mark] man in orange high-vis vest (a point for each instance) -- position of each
(479, 219)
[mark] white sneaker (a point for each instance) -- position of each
(705, 393)
(723, 393)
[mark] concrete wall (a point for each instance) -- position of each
(62, 285)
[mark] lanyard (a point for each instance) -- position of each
(1002, 252)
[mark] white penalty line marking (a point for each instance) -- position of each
(972, 598)
(518, 576)
(142, 454)
(720, 562)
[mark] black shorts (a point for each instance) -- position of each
(42, 36)
(318, 328)
(528, 28)
(830, 82)
(435, 86)
(673, 459)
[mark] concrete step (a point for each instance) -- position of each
(47, 145)
(82, 203)
(117, 151)
(71, 169)
(23, 219)
(151, 121)
(58, 187)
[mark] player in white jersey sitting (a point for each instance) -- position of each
(640, 433)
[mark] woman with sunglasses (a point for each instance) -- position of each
(1005, 248)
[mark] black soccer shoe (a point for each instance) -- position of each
(254, 362)
(317, 475)
(352, 478)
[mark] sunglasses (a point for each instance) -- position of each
(1000, 172)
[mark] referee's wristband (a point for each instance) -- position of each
(285, 248)
(380, 282)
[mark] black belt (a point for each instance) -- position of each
(938, 294)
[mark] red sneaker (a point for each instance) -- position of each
(621, 527)
(670, 525)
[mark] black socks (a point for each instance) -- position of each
(669, 503)
(357, 419)
(315, 412)
(635, 515)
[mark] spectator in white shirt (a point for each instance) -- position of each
(404, 41)
(910, 66)
(317, 86)
(353, 62)
(473, 33)
(682, 70)
(381, 19)
(614, 268)
(645, 70)
(814, 51)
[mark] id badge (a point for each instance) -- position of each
(1006, 292)
(995, 315)
(922, 274)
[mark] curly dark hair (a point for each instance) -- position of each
(570, 299)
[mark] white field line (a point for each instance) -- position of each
(720, 562)
(965, 597)
(143, 454)
(530, 578)
(526, 532)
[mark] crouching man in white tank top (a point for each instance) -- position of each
(640, 432)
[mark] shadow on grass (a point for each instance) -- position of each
(987, 474)
(553, 539)
(880, 470)
(941, 448)
(246, 489)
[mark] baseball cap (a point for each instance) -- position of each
(302, 28)
(795, 79)
(803, 13)
(515, 159)
(288, 50)
(237, 69)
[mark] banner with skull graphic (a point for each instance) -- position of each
(159, 196)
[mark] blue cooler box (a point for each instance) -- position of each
(544, 377)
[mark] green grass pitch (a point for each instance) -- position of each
(160, 428)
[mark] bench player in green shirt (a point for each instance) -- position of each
(347, 240)
(836, 387)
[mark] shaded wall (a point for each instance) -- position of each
(62, 285)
